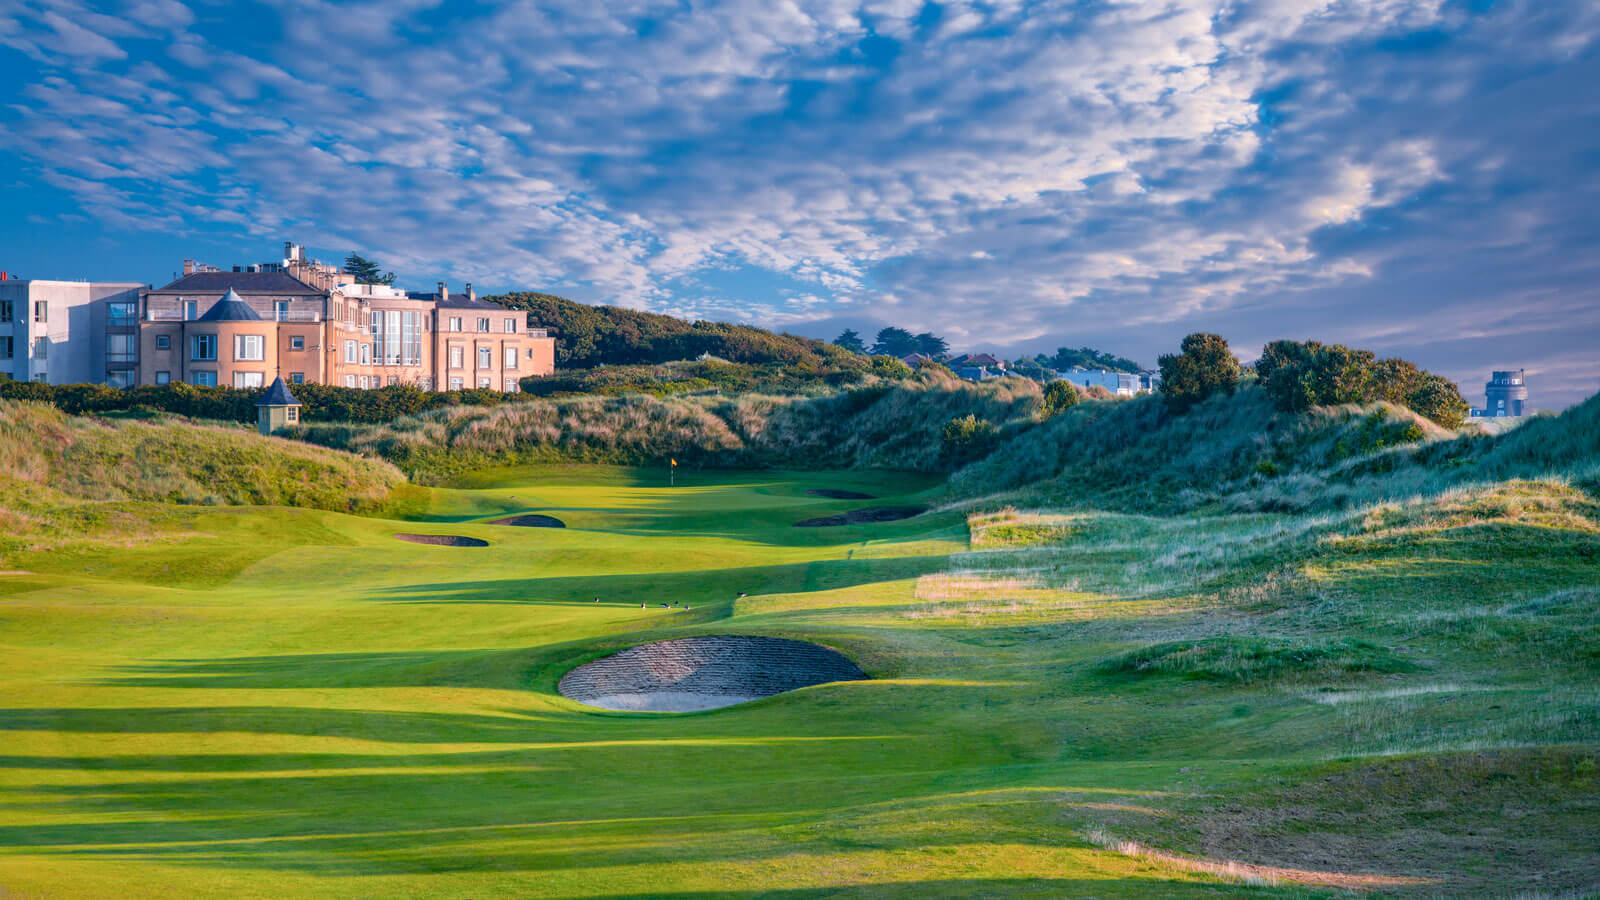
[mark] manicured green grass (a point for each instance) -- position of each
(274, 702)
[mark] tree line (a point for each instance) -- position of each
(899, 343)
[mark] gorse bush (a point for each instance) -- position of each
(1300, 375)
(1058, 395)
(969, 437)
(1204, 367)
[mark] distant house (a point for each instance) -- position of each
(1122, 384)
(917, 360)
(976, 360)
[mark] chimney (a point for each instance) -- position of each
(188, 267)
(236, 268)
(444, 292)
(470, 294)
(5, 276)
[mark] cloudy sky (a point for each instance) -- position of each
(1417, 177)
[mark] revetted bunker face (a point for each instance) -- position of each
(864, 516)
(443, 540)
(531, 520)
(834, 494)
(704, 673)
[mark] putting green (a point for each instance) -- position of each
(293, 703)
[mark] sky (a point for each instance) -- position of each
(1415, 177)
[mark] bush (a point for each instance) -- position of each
(1300, 375)
(969, 437)
(1205, 367)
(1058, 395)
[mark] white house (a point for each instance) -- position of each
(68, 332)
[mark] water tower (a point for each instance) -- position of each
(1505, 394)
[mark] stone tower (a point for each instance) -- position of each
(1505, 394)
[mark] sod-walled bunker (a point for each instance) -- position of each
(443, 540)
(704, 673)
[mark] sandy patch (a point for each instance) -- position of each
(531, 520)
(443, 540)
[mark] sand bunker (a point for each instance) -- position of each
(443, 540)
(531, 520)
(704, 673)
(859, 516)
(839, 495)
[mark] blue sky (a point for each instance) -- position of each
(1417, 177)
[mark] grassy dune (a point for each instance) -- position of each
(1065, 701)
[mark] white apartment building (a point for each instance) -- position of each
(69, 332)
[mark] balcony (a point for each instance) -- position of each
(537, 333)
(298, 315)
(163, 315)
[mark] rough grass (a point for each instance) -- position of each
(1246, 660)
(71, 478)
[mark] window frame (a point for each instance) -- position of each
(242, 343)
(194, 347)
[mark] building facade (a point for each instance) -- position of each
(309, 323)
(66, 332)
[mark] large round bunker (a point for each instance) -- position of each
(704, 673)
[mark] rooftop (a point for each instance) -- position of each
(241, 282)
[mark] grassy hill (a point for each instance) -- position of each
(1382, 681)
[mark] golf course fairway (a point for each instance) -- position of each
(276, 702)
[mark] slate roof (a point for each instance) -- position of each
(231, 308)
(278, 395)
(242, 282)
(458, 301)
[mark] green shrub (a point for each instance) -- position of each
(1300, 375)
(1204, 367)
(969, 436)
(1058, 395)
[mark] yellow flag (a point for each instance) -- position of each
(674, 464)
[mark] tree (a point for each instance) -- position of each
(929, 344)
(1058, 395)
(850, 341)
(1089, 358)
(896, 342)
(1204, 367)
(1299, 375)
(366, 271)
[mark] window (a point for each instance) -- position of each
(349, 381)
(203, 348)
(121, 348)
(163, 378)
(163, 342)
(483, 382)
(203, 378)
(349, 351)
(191, 310)
(425, 384)
(366, 354)
(511, 326)
(41, 350)
(365, 382)
(455, 357)
(511, 358)
(41, 310)
(455, 384)
(297, 378)
(455, 323)
(122, 312)
(119, 379)
(246, 379)
(530, 353)
(7, 347)
(280, 310)
(249, 347)
(511, 385)
(297, 342)
(40, 377)
(485, 357)
(483, 324)
(291, 414)
(6, 310)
